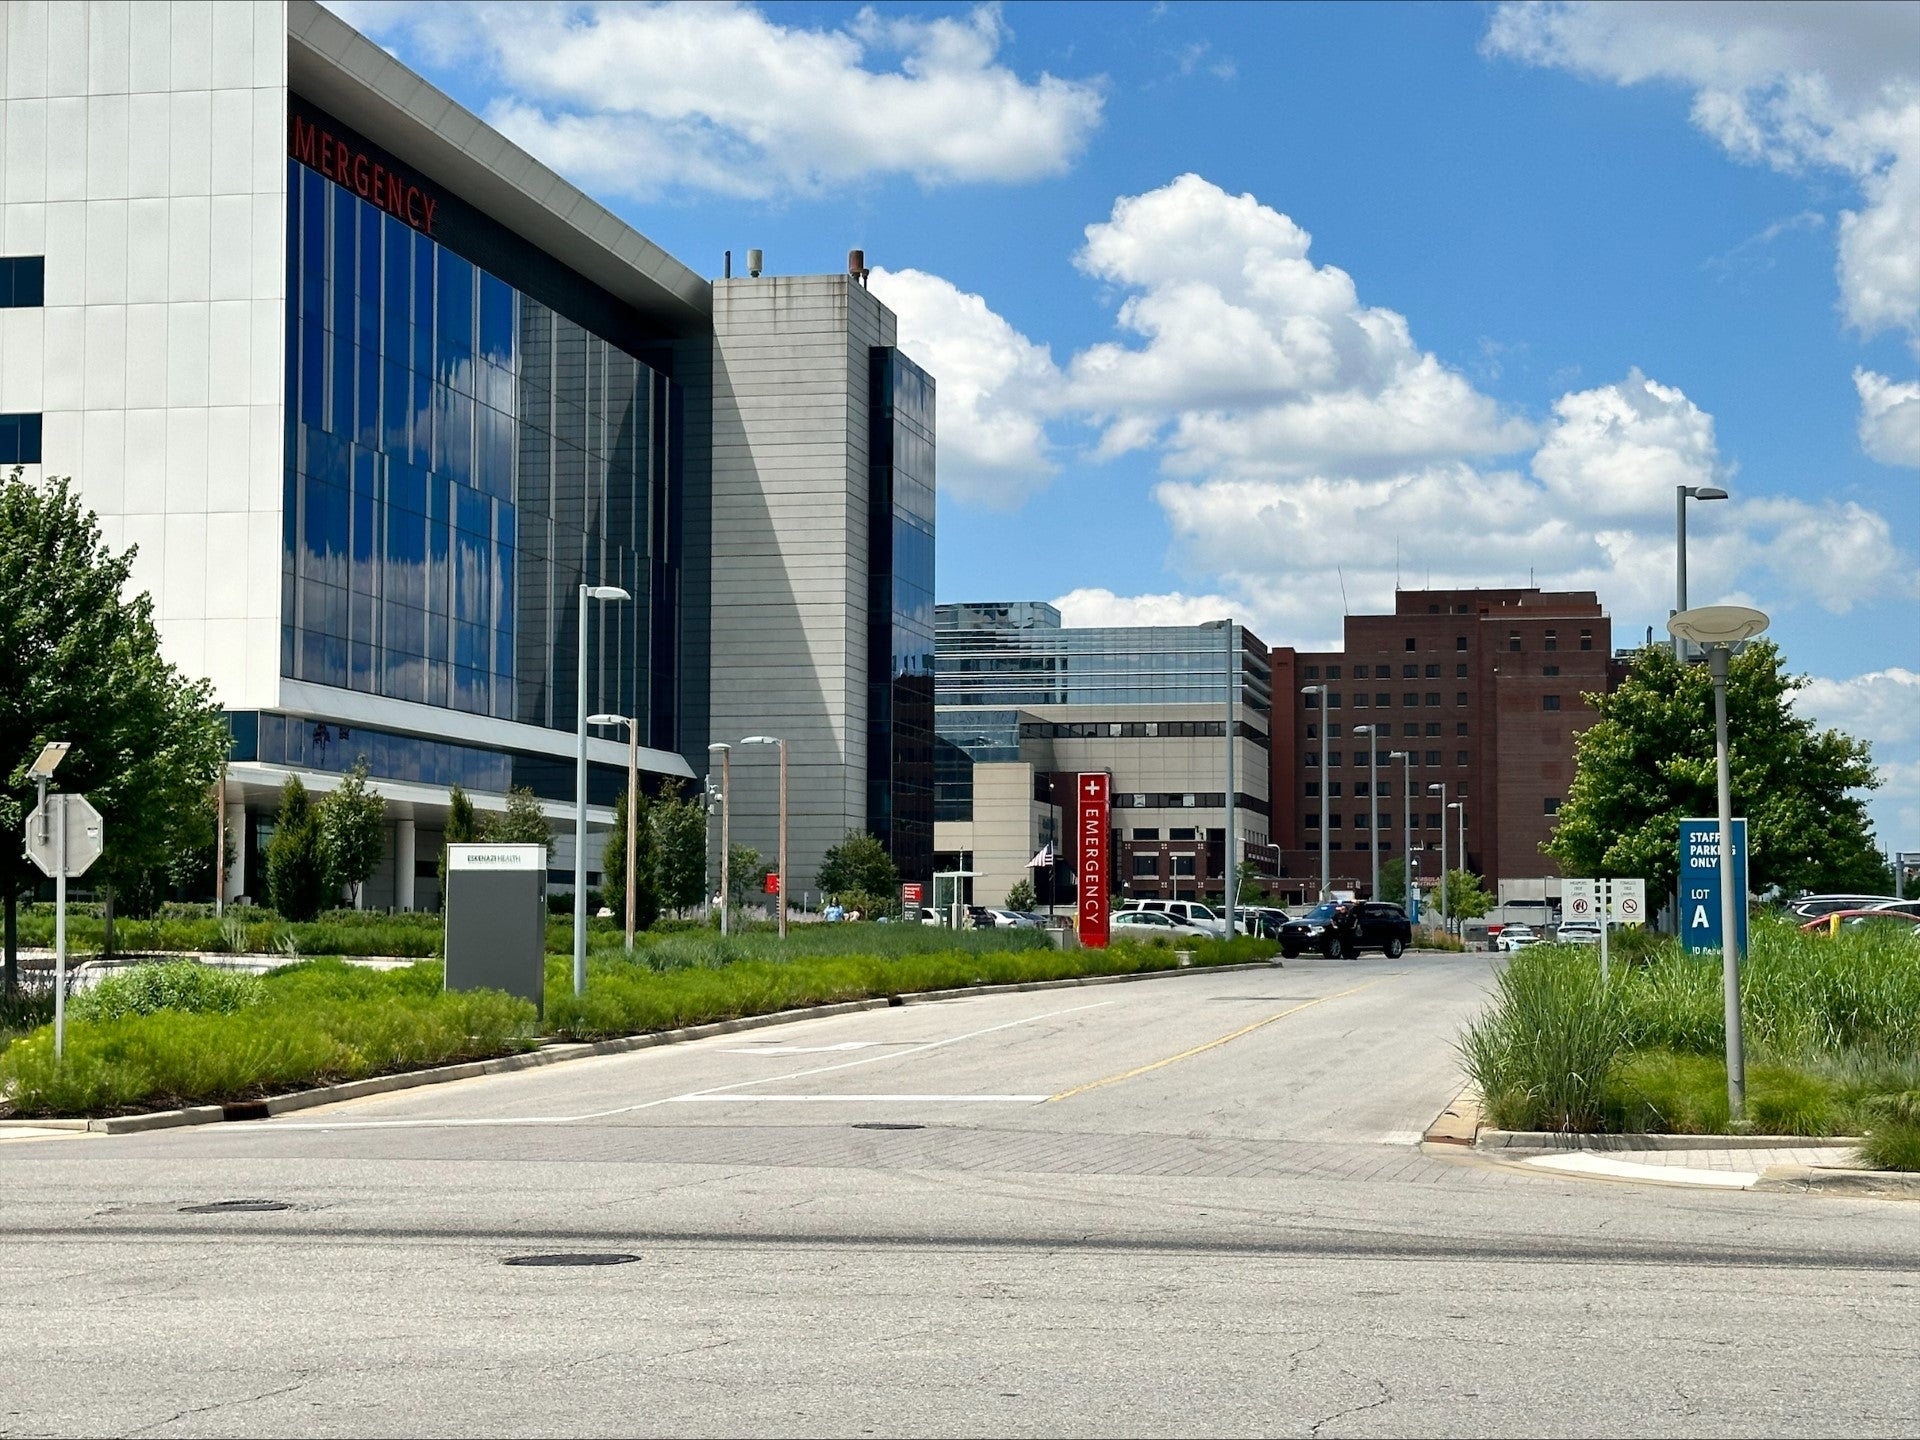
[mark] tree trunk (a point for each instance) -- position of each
(12, 983)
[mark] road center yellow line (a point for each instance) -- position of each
(1222, 1040)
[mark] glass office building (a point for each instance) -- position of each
(461, 458)
(900, 646)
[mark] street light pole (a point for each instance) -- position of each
(587, 592)
(773, 740)
(1230, 879)
(726, 833)
(1406, 831)
(1373, 803)
(1445, 912)
(1326, 872)
(633, 802)
(1719, 628)
(1461, 806)
(1683, 493)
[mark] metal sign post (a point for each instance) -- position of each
(64, 839)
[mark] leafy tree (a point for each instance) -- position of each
(525, 823)
(613, 864)
(858, 864)
(463, 827)
(296, 868)
(1648, 762)
(1021, 896)
(80, 661)
(353, 831)
(1466, 899)
(680, 851)
(1393, 881)
(745, 874)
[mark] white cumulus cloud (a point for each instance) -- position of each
(1889, 416)
(1095, 606)
(994, 388)
(1239, 354)
(1792, 85)
(644, 99)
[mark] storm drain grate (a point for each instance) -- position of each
(235, 1207)
(886, 1125)
(601, 1258)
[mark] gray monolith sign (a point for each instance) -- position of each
(496, 911)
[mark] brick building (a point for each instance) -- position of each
(1482, 689)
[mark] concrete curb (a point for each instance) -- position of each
(1458, 1124)
(1554, 1140)
(1799, 1179)
(556, 1053)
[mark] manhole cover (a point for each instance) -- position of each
(234, 1207)
(886, 1125)
(609, 1258)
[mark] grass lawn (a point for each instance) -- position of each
(179, 1033)
(1832, 1029)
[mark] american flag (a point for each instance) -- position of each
(1043, 858)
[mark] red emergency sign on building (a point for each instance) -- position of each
(1092, 797)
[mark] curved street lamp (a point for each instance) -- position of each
(1682, 494)
(587, 592)
(775, 740)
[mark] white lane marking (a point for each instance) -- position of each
(865, 1099)
(665, 1100)
(1403, 1137)
(805, 1049)
(24, 1132)
(1583, 1163)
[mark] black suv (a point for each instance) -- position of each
(1346, 927)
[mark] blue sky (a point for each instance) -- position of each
(1230, 306)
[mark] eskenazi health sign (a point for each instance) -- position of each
(1700, 884)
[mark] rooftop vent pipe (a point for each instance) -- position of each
(857, 266)
(753, 263)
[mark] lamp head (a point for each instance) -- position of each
(1313, 689)
(1437, 788)
(1705, 492)
(1711, 625)
(719, 745)
(606, 592)
(762, 740)
(608, 720)
(1361, 730)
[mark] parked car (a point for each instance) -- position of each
(1147, 924)
(1812, 907)
(1578, 935)
(1262, 920)
(1191, 912)
(1341, 927)
(1909, 908)
(1892, 921)
(1004, 919)
(1515, 937)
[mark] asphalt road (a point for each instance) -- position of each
(1189, 1205)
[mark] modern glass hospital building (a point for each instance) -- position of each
(374, 393)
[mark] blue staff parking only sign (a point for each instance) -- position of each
(1700, 884)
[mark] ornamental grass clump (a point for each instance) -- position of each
(180, 985)
(1541, 1053)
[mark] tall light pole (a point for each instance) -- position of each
(587, 592)
(1230, 879)
(1406, 831)
(1373, 803)
(1682, 494)
(1326, 872)
(726, 833)
(1441, 787)
(1719, 628)
(633, 801)
(1461, 806)
(774, 740)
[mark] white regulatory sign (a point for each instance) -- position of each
(1579, 902)
(1629, 901)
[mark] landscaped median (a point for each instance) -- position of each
(180, 1034)
(1832, 1026)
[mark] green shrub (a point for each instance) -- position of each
(1892, 1140)
(179, 985)
(319, 1022)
